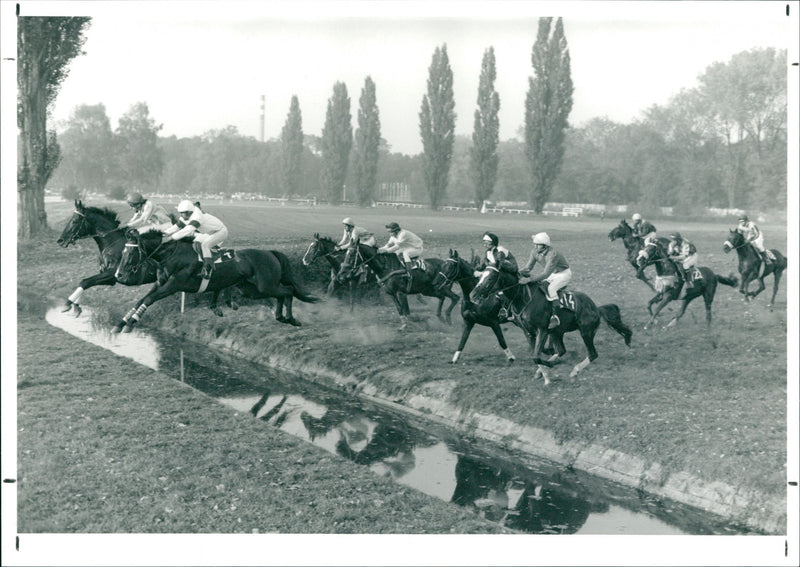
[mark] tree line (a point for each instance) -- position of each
(720, 144)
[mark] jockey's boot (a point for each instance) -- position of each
(408, 266)
(554, 320)
(687, 279)
(767, 257)
(208, 267)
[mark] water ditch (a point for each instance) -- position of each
(539, 497)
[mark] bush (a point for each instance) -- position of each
(117, 193)
(71, 193)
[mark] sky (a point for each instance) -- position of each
(203, 66)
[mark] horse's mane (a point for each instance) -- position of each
(104, 212)
(327, 239)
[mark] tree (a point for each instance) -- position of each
(139, 155)
(292, 146)
(86, 149)
(547, 107)
(367, 143)
(45, 47)
(486, 133)
(437, 121)
(337, 141)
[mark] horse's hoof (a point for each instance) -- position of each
(280, 319)
(218, 312)
(292, 321)
(67, 307)
(127, 329)
(234, 306)
(78, 310)
(118, 328)
(511, 361)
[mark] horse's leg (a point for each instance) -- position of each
(405, 309)
(289, 317)
(640, 275)
(454, 299)
(501, 340)
(541, 336)
(777, 279)
(439, 307)
(587, 334)
(279, 310)
(684, 304)
(467, 329)
(557, 339)
(103, 278)
(156, 293)
(214, 305)
(663, 298)
(761, 287)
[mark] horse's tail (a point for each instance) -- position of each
(731, 280)
(611, 315)
(288, 278)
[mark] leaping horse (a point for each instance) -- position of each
(633, 245)
(750, 263)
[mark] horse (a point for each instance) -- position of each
(531, 312)
(256, 273)
(324, 247)
(633, 244)
(669, 284)
(393, 277)
(102, 224)
(750, 265)
(456, 269)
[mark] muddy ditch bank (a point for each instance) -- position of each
(406, 388)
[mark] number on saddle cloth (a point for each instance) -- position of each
(566, 299)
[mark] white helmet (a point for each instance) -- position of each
(185, 206)
(636, 217)
(348, 221)
(541, 238)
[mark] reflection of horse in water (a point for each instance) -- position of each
(545, 506)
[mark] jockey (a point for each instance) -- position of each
(147, 214)
(207, 229)
(683, 254)
(497, 256)
(353, 234)
(404, 243)
(752, 235)
(643, 229)
(556, 270)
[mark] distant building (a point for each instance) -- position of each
(396, 192)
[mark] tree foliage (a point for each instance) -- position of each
(337, 141)
(139, 157)
(87, 147)
(367, 143)
(437, 120)
(292, 148)
(486, 132)
(45, 47)
(547, 107)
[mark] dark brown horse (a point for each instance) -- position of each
(750, 266)
(456, 269)
(669, 284)
(393, 277)
(531, 312)
(633, 245)
(256, 273)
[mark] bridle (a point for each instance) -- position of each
(85, 223)
(451, 280)
(148, 258)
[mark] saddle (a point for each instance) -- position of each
(218, 254)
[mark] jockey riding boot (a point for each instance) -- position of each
(687, 278)
(208, 267)
(554, 320)
(408, 266)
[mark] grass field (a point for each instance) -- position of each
(718, 413)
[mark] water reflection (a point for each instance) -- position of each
(541, 500)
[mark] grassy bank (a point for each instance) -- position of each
(107, 448)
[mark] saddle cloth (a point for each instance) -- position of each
(566, 299)
(217, 254)
(418, 264)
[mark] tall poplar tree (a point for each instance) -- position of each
(437, 122)
(486, 133)
(292, 148)
(140, 158)
(547, 107)
(45, 47)
(367, 142)
(337, 141)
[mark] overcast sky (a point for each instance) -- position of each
(203, 66)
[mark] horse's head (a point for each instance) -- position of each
(488, 283)
(648, 254)
(449, 272)
(137, 251)
(85, 222)
(622, 230)
(735, 240)
(312, 252)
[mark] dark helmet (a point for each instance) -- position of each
(135, 198)
(393, 227)
(676, 236)
(491, 237)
